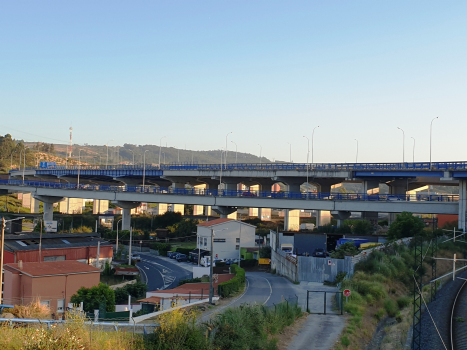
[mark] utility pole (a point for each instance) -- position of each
(211, 286)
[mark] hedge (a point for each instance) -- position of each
(185, 251)
(225, 289)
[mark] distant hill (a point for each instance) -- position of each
(93, 154)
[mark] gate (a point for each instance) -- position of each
(324, 302)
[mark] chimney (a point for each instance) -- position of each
(20, 264)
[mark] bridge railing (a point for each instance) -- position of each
(238, 193)
(268, 166)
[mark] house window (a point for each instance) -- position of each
(60, 305)
(238, 240)
(205, 241)
(219, 240)
(237, 247)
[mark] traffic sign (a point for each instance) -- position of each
(347, 292)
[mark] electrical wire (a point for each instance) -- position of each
(427, 309)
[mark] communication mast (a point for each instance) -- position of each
(71, 142)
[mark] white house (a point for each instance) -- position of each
(229, 236)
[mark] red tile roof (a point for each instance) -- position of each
(215, 222)
(50, 268)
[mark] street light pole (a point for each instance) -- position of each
(133, 156)
(107, 161)
(116, 242)
(211, 287)
(312, 143)
(226, 137)
(144, 168)
(431, 129)
(260, 151)
(356, 155)
(413, 150)
(403, 144)
(235, 151)
(79, 166)
(160, 147)
(307, 160)
(290, 152)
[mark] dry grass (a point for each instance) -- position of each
(33, 310)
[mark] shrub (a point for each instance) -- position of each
(345, 341)
(34, 310)
(162, 248)
(379, 314)
(190, 280)
(346, 249)
(227, 288)
(403, 302)
(390, 307)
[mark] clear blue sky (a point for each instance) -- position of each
(269, 71)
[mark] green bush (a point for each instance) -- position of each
(227, 288)
(162, 248)
(346, 249)
(390, 307)
(345, 341)
(404, 302)
(380, 314)
(185, 251)
(190, 280)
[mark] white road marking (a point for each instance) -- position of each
(146, 276)
(270, 287)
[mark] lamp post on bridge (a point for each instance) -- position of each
(79, 166)
(235, 151)
(226, 137)
(431, 130)
(290, 152)
(144, 168)
(356, 155)
(403, 144)
(133, 156)
(312, 143)
(413, 149)
(107, 161)
(160, 148)
(260, 151)
(307, 160)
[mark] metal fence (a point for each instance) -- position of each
(324, 302)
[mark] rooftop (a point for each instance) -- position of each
(52, 268)
(221, 221)
(30, 241)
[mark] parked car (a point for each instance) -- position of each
(320, 253)
(174, 255)
(170, 253)
(136, 257)
(182, 257)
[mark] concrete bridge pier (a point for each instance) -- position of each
(48, 205)
(462, 223)
(340, 216)
(323, 217)
(397, 187)
(225, 212)
(126, 212)
(370, 186)
(99, 206)
(292, 220)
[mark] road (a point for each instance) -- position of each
(159, 273)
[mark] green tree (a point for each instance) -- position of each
(405, 225)
(346, 249)
(362, 227)
(92, 297)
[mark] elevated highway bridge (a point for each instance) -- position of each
(219, 186)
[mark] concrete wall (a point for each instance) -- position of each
(308, 242)
(284, 266)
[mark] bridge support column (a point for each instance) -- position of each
(230, 186)
(370, 186)
(323, 217)
(126, 212)
(99, 206)
(198, 209)
(71, 206)
(291, 220)
(396, 187)
(462, 223)
(48, 205)
(161, 208)
(225, 212)
(340, 216)
(178, 208)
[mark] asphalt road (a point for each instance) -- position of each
(161, 274)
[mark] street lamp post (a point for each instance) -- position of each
(403, 144)
(144, 168)
(356, 155)
(235, 151)
(312, 143)
(260, 151)
(107, 161)
(290, 152)
(133, 156)
(160, 148)
(226, 137)
(79, 166)
(307, 160)
(2, 245)
(431, 129)
(413, 149)
(116, 242)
